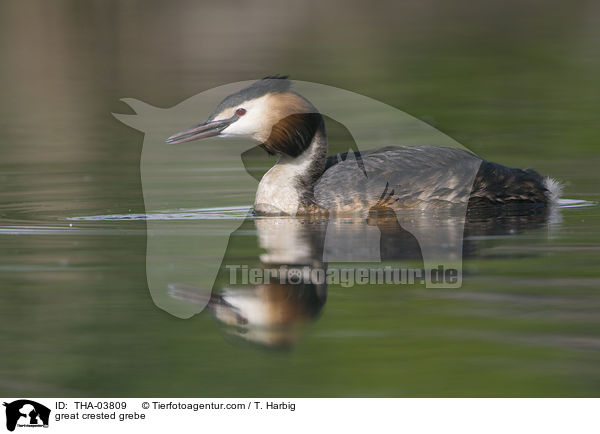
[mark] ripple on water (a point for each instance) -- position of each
(233, 213)
(224, 213)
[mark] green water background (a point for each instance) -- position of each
(515, 82)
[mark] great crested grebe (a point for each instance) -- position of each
(305, 180)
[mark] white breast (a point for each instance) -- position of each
(278, 188)
(276, 192)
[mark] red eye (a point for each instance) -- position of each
(240, 112)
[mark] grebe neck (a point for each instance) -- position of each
(288, 186)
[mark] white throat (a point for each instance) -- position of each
(281, 188)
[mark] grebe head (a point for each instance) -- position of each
(267, 112)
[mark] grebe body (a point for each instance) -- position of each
(305, 180)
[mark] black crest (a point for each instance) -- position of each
(276, 77)
(270, 84)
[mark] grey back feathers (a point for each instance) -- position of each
(406, 176)
(397, 176)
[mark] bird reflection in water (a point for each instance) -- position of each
(274, 313)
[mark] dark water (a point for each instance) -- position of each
(514, 82)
